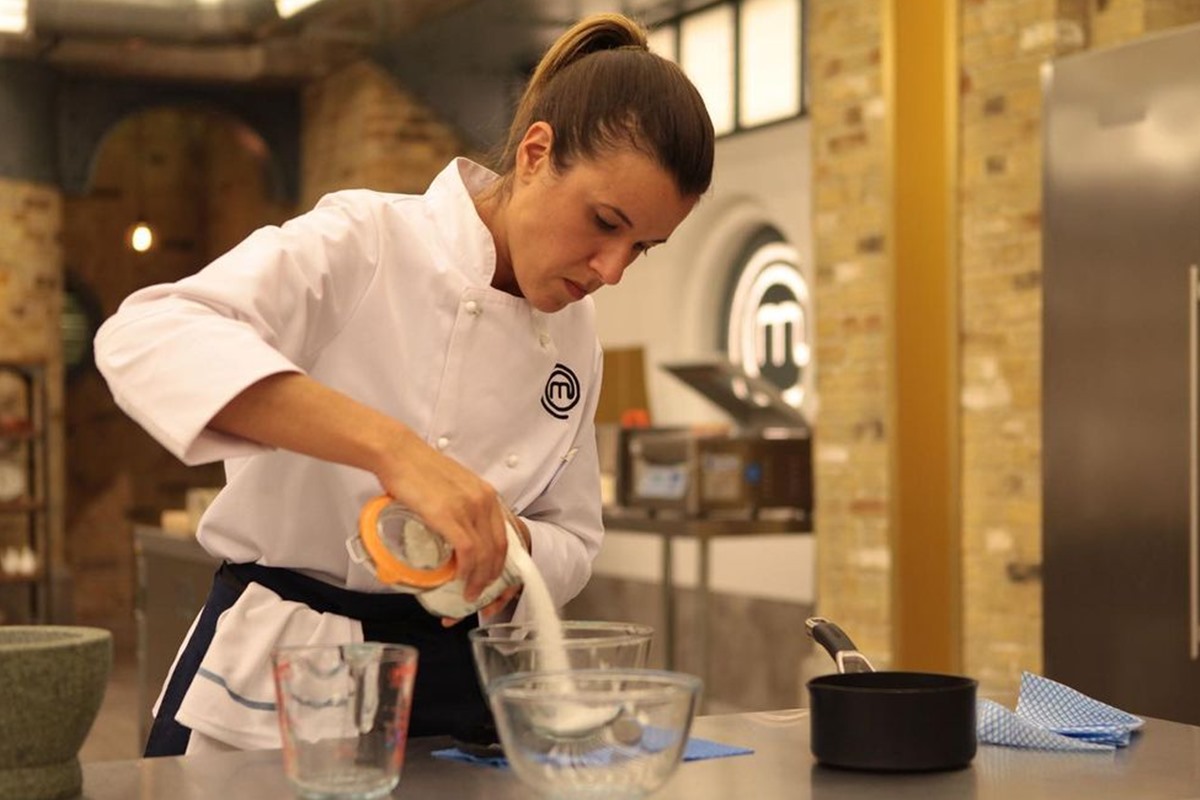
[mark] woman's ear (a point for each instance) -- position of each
(534, 151)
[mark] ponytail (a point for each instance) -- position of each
(600, 88)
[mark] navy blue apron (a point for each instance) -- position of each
(446, 695)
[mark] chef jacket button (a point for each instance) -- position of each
(442, 443)
(512, 460)
(472, 308)
(544, 338)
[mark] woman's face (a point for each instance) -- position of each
(567, 234)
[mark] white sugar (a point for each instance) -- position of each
(569, 719)
(550, 635)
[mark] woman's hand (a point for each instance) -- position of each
(512, 592)
(491, 609)
(521, 528)
(453, 502)
(292, 411)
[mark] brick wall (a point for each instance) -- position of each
(1003, 45)
(31, 219)
(30, 260)
(851, 207)
(1110, 22)
(362, 130)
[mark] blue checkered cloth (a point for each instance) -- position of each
(1051, 716)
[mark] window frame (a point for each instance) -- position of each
(675, 22)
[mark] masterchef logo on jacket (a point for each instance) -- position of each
(561, 393)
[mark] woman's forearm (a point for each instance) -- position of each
(293, 412)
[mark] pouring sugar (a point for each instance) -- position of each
(568, 719)
(551, 640)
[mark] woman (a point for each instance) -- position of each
(439, 348)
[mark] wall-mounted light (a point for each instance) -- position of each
(14, 16)
(287, 8)
(140, 237)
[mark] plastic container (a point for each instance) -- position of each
(395, 544)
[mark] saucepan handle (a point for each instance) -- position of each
(838, 645)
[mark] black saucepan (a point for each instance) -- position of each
(887, 721)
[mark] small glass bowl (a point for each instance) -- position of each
(506, 648)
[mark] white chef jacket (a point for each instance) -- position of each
(387, 298)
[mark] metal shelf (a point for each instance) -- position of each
(36, 577)
(23, 440)
(22, 506)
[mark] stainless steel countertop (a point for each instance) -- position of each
(154, 540)
(700, 527)
(1162, 762)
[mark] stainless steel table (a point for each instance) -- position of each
(1163, 762)
(703, 530)
(174, 574)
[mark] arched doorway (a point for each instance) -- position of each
(204, 180)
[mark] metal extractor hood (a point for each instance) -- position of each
(753, 402)
(156, 20)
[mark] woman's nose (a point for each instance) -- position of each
(610, 264)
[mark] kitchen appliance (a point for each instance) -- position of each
(1120, 369)
(887, 721)
(763, 465)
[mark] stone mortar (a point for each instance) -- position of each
(52, 679)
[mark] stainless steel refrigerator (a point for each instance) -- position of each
(1121, 354)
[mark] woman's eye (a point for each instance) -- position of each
(604, 224)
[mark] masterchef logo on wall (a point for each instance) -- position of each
(769, 318)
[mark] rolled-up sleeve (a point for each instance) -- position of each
(175, 354)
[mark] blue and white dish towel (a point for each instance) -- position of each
(1051, 716)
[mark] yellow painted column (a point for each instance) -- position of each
(920, 71)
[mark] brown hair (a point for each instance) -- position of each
(600, 88)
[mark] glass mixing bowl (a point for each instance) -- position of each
(506, 648)
(595, 733)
